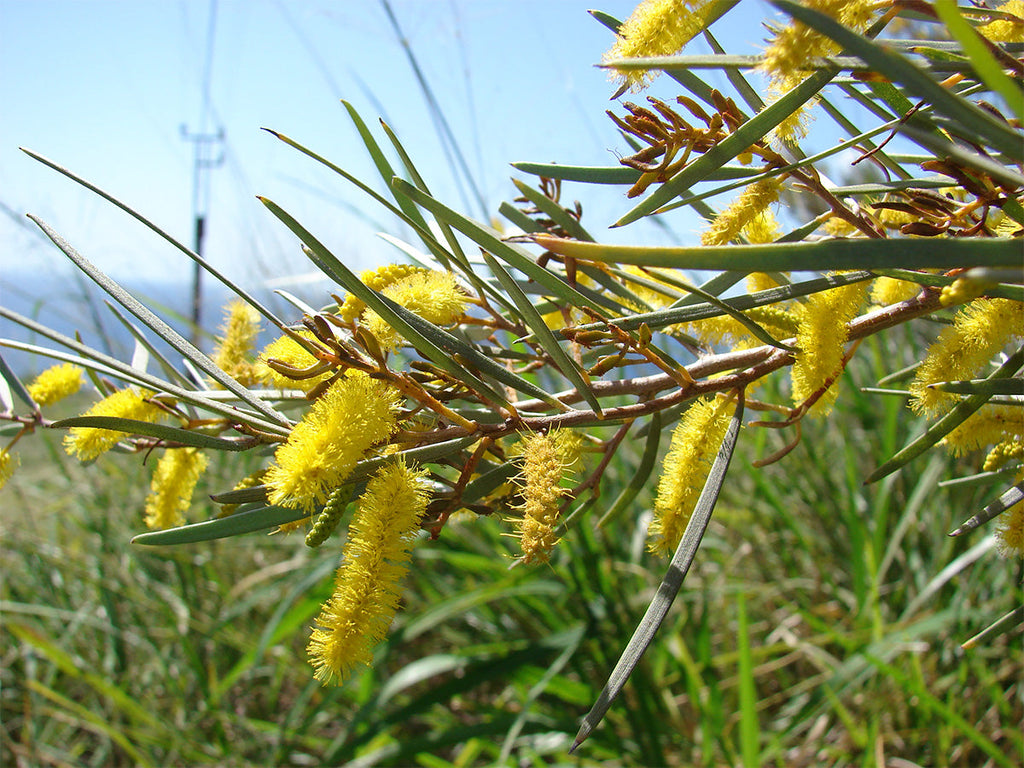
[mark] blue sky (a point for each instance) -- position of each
(105, 88)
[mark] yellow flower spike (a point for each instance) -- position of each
(174, 481)
(377, 279)
(762, 228)
(434, 296)
(546, 460)
(790, 52)
(989, 425)
(1006, 30)
(889, 290)
(1008, 450)
(56, 383)
(821, 340)
(368, 583)
(693, 448)
(233, 353)
(753, 201)
(1010, 531)
(8, 463)
(656, 28)
(354, 414)
(88, 443)
(980, 330)
(290, 352)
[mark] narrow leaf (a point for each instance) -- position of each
(973, 120)
(159, 431)
(681, 561)
(836, 254)
(221, 528)
(1014, 495)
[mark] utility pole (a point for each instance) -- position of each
(204, 158)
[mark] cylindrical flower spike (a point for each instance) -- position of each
(56, 383)
(174, 481)
(656, 28)
(377, 279)
(8, 463)
(744, 211)
(233, 353)
(980, 330)
(1010, 531)
(88, 443)
(291, 353)
(434, 296)
(354, 414)
(693, 449)
(821, 338)
(368, 583)
(546, 460)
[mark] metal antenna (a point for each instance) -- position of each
(204, 142)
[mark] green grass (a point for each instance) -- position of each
(811, 630)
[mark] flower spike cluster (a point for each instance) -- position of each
(656, 28)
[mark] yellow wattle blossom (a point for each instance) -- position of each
(743, 211)
(546, 461)
(56, 383)
(1006, 30)
(790, 52)
(690, 455)
(980, 330)
(821, 340)
(8, 463)
(354, 414)
(656, 28)
(377, 279)
(1010, 531)
(889, 290)
(989, 425)
(234, 352)
(434, 296)
(288, 351)
(1008, 450)
(368, 583)
(174, 481)
(88, 443)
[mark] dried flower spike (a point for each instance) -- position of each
(368, 583)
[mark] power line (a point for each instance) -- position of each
(204, 143)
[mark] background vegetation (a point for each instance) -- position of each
(820, 626)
